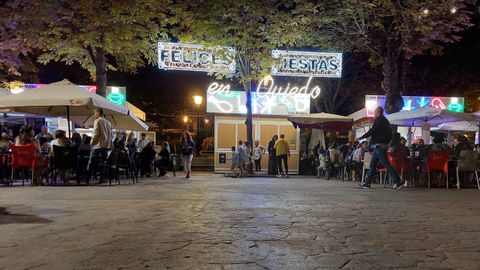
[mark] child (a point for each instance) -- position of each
(234, 162)
(322, 167)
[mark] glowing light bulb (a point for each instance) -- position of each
(425, 11)
(453, 10)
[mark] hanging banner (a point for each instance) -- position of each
(192, 57)
(307, 64)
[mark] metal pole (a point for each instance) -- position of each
(68, 121)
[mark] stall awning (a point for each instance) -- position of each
(325, 121)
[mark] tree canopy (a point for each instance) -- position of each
(99, 35)
(391, 31)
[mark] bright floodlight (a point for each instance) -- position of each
(198, 100)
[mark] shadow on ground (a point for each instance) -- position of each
(9, 218)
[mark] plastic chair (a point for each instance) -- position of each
(64, 158)
(437, 161)
(367, 158)
(398, 162)
(23, 157)
(467, 162)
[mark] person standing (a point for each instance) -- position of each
(101, 140)
(45, 134)
(143, 141)
(258, 152)
(187, 148)
(282, 149)
(380, 135)
(242, 157)
(234, 162)
(272, 157)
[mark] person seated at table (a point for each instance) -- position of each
(164, 160)
(396, 146)
(60, 140)
(85, 146)
(357, 159)
(26, 137)
(422, 149)
(322, 163)
(403, 142)
(147, 157)
(439, 143)
(76, 139)
(461, 143)
(131, 144)
(4, 143)
(44, 147)
(44, 133)
(336, 160)
(477, 148)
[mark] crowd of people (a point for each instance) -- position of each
(102, 145)
(247, 159)
(346, 161)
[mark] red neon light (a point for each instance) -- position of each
(438, 103)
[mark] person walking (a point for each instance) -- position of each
(187, 148)
(242, 157)
(272, 157)
(258, 152)
(101, 140)
(380, 135)
(234, 160)
(282, 149)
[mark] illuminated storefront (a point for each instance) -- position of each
(270, 108)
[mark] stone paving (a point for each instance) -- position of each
(212, 222)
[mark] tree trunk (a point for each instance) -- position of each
(393, 79)
(248, 120)
(101, 71)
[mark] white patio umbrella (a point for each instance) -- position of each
(322, 121)
(124, 122)
(427, 115)
(60, 99)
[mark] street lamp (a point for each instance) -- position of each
(453, 10)
(198, 100)
(185, 119)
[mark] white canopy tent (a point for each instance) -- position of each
(124, 122)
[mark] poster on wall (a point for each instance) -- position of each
(193, 57)
(454, 104)
(307, 64)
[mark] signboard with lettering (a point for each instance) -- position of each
(233, 102)
(308, 64)
(192, 57)
(454, 104)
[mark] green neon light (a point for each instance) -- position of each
(455, 107)
(116, 98)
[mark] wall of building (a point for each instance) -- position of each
(230, 129)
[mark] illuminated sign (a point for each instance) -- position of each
(314, 64)
(178, 56)
(221, 100)
(454, 104)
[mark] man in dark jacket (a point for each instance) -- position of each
(380, 135)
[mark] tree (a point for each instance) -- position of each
(254, 28)
(14, 58)
(99, 35)
(392, 32)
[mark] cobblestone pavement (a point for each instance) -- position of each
(211, 222)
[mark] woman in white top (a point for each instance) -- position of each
(258, 152)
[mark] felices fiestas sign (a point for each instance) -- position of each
(308, 64)
(192, 57)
